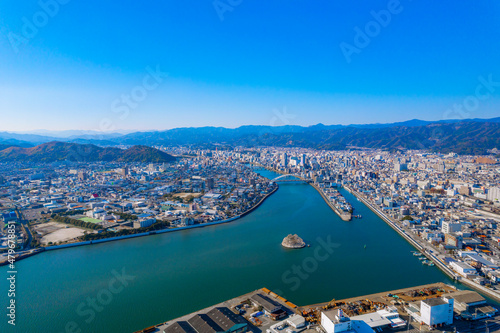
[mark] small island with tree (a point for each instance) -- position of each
(293, 242)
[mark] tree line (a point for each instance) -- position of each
(75, 222)
(124, 232)
(71, 212)
(125, 216)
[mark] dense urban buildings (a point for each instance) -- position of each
(446, 205)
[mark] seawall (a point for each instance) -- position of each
(343, 216)
(155, 232)
(430, 256)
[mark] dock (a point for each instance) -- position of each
(430, 256)
(232, 304)
(242, 306)
(345, 216)
(411, 294)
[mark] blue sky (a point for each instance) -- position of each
(239, 62)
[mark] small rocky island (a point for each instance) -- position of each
(293, 242)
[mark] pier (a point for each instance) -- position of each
(345, 216)
(244, 306)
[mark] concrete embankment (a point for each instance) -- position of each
(21, 256)
(422, 249)
(56, 247)
(344, 216)
(259, 203)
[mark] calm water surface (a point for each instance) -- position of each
(181, 272)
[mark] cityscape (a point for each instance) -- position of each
(230, 166)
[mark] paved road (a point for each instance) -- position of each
(25, 223)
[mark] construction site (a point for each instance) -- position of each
(370, 303)
(266, 311)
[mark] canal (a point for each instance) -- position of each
(128, 285)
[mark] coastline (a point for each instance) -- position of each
(422, 249)
(64, 246)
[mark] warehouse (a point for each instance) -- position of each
(217, 320)
(266, 303)
(179, 327)
(272, 308)
(228, 320)
(472, 306)
(204, 324)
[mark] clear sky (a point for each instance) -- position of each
(76, 64)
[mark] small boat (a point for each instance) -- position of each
(365, 246)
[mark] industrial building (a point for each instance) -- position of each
(334, 321)
(271, 307)
(432, 312)
(463, 268)
(217, 320)
(472, 306)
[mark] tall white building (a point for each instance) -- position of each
(437, 311)
(494, 194)
(433, 311)
(334, 321)
(450, 227)
(284, 159)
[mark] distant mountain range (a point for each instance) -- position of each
(62, 151)
(469, 136)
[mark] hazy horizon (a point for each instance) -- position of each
(76, 132)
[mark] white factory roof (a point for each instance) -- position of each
(372, 319)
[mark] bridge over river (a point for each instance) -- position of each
(287, 178)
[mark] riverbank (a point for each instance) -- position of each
(418, 245)
(343, 215)
(182, 272)
(156, 232)
(22, 255)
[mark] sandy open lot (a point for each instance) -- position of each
(57, 232)
(47, 228)
(62, 235)
(184, 194)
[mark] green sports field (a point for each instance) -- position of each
(91, 220)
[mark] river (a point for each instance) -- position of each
(169, 275)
